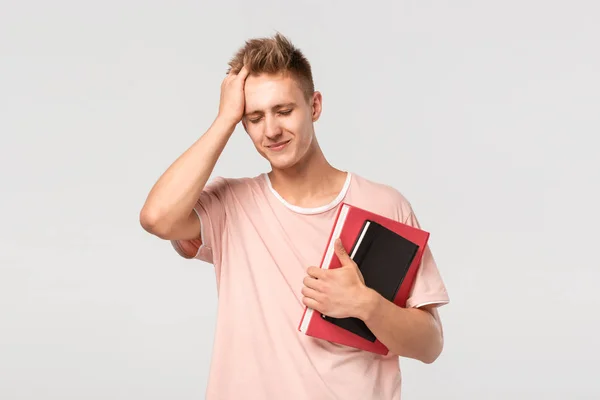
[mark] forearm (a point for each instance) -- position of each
(175, 193)
(406, 332)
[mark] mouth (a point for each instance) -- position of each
(278, 146)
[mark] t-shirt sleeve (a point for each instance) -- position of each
(210, 209)
(428, 288)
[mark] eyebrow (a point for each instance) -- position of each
(274, 108)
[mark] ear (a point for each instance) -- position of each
(317, 105)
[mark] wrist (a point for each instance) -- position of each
(370, 302)
(226, 123)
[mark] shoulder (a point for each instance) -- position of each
(381, 197)
(236, 186)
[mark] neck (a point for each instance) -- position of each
(312, 182)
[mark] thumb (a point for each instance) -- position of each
(341, 252)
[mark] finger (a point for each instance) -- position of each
(227, 79)
(311, 303)
(313, 283)
(243, 73)
(341, 252)
(315, 272)
(312, 294)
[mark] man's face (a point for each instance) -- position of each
(278, 118)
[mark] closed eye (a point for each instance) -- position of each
(282, 112)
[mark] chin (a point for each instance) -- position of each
(282, 163)
(284, 160)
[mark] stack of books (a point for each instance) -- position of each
(388, 254)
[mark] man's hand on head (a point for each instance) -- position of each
(338, 292)
(232, 102)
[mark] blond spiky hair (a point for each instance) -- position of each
(274, 55)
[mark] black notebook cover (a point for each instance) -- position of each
(383, 258)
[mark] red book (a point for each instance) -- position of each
(388, 253)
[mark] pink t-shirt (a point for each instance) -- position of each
(260, 247)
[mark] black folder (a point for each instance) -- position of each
(383, 258)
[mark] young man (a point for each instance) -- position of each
(265, 236)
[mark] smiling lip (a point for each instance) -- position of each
(278, 146)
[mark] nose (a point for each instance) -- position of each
(272, 127)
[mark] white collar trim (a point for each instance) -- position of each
(312, 210)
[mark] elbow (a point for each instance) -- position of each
(433, 351)
(153, 222)
(435, 339)
(430, 358)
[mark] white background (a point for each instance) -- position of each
(484, 114)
